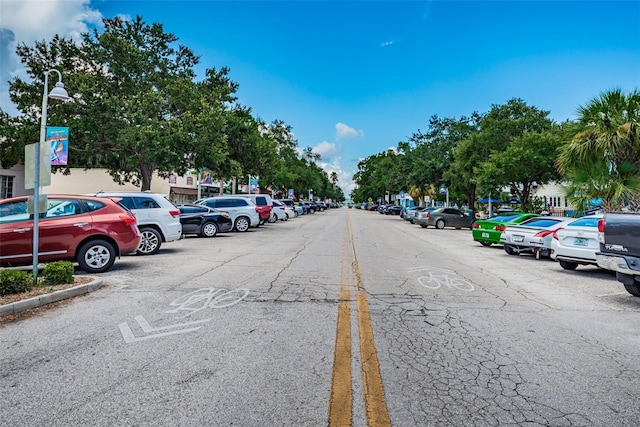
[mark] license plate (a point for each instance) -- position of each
(485, 235)
(518, 238)
(578, 241)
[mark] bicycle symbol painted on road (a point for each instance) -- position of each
(207, 298)
(440, 277)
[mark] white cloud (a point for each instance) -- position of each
(345, 131)
(387, 43)
(327, 150)
(28, 21)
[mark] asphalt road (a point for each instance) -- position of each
(344, 317)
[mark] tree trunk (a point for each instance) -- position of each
(146, 172)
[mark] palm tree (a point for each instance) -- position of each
(602, 156)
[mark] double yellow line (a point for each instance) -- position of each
(341, 402)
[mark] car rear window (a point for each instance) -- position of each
(504, 218)
(541, 222)
(587, 221)
(261, 201)
(145, 203)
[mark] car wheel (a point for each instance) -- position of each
(286, 217)
(151, 241)
(510, 250)
(96, 256)
(296, 214)
(485, 243)
(440, 224)
(272, 219)
(568, 265)
(423, 225)
(633, 288)
(242, 224)
(209, 229)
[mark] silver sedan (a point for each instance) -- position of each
(533, 235)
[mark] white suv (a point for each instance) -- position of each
(158, 219)
(242, 211)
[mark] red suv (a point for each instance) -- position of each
(89, 230)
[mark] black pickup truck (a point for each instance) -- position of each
(619, 235)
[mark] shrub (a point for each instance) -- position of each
(15, 281)
(58, 273)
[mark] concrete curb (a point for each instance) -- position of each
(40, 300)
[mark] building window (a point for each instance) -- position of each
(189, 180)
(6, 186)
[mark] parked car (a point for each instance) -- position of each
(322, 206)
(313, 207)
(619, 237)
(305, 207)
(411, 213)
(279, 212)
(576, 243)
(488, 231)
(289, 210)
(242, 211)
(88, 230)
(264, 204)
(203, 220)
(158, 218)
(532, 235)
(449, 217)
(392, 210)
(421, 216)
(298, 210)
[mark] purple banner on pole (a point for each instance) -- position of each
(58, 137)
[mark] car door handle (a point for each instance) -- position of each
(21, 230)
(80, 224)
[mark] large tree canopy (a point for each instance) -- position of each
(137, 109)
(601, 155)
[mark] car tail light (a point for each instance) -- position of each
(128, 218)
(428, 214)
(601, 230)
(476, 225)
(499, 228)
(544, 233)
(555, 235)
(175, 213)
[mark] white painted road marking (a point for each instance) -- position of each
(128, 336)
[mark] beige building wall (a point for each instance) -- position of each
(82, 181)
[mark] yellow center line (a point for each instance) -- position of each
(340, 404)
(374, 400)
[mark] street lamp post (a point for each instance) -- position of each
(58, 92)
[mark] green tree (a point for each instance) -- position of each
(527, 160)
(498, 129)
(601, 157)
(136, 109)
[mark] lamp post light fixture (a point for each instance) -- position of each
(59, 93)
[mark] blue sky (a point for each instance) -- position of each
(355, 78)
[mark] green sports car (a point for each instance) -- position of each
(488, 231)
